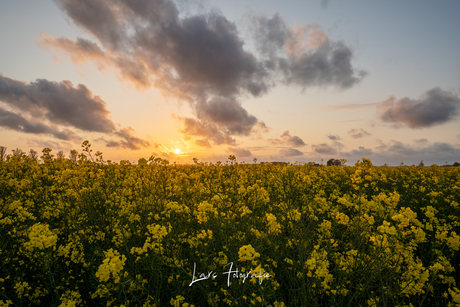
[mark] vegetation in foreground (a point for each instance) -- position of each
(78, 232)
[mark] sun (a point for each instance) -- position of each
(177, 151)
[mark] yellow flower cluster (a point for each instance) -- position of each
(273, 226)
(247, 253)
(70, 299)
(41, 237)
(112, 265)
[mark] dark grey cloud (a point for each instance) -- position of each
(228, 114)
(60, 103)
(394, 152)
(441, 147)
(290, 152)
(399, 148)
(201, 58)
(334, 137)
(321, 63)
(53, 108)
(292, 140)
(195, 54)
(324, 149)
(18, 122)
(240, 152)
(358, 133)
(363, 152)
(434, 107)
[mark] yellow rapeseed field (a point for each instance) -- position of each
(97, 233)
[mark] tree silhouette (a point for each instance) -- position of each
(333, 161)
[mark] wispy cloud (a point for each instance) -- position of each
(290, 152)
(358, 133)
(351, 106)
(334, 137)
(239, 152)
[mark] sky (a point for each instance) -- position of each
(294, 81)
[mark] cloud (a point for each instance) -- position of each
(240, 152)
(290, 152)
(434, 107)
(429, 152)
(83, 50)
(129, 141)
(56, 107)
(334, 137)
(275, 141)
(45, 144)
(293, 141)
(393, 152)
(351, 106)
(338, 145)
(304, 55)
(207, 133)
(194, 50)
(19, 123)
(60, 103)
(324, 149)
(382, 146)
(358, 133)
(421, 141)
(260, 129)
(363, 152)
(203, 143)
(201, 58)
(227, 114)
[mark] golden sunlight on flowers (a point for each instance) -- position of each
(154, 234)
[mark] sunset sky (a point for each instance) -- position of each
(273, 80)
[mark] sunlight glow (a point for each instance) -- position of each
(177, 151)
